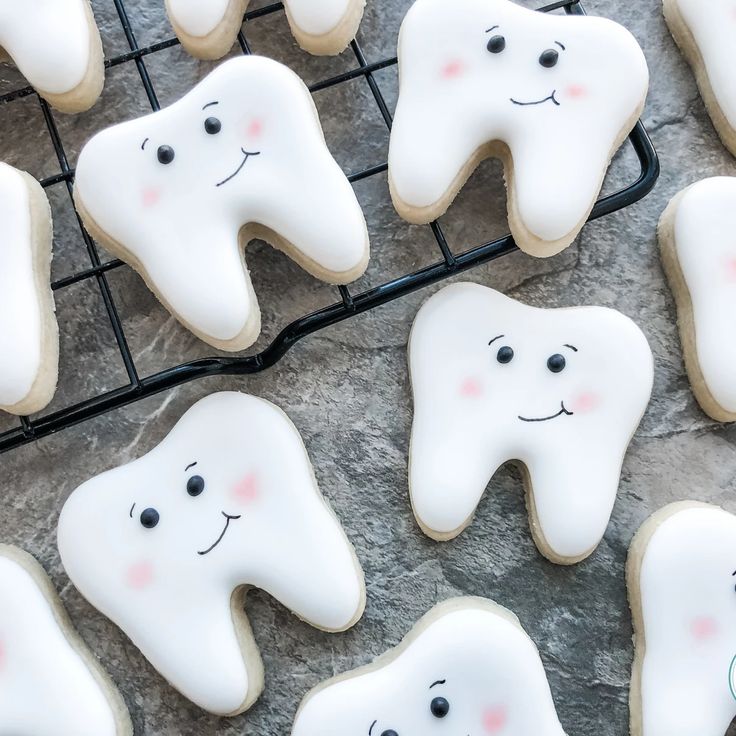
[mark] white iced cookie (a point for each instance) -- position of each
(167, 546)
(208, 29)
(29, 336)
(696, 236)
(50, 683)
(681, 575)
(56, 46)
(241, 156)
(483, 78)
(704, 31)
(561, 391)
(467, 667)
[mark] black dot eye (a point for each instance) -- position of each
(149, 518)
(556, 363)
(549, 58)
(389, 733)
(165, 154)
(496, 44)
(195, 485)
(505, 355)
(439, 707)
(212, 126)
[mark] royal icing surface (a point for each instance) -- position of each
(477, 71)
(560, 390)
(704, 227)
(314, 17)
(48, 40)
(227, 499)
(46, 688)
(688, 603)
(713, 25)
(467, 668)
(20, 311)
(243, 147)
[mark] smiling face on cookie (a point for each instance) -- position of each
(227, 499)
(505, 73)
(467, 668)
(243, 148)
(687, 589)
(495, 380)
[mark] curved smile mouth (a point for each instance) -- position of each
(560, 413)
(246, 156)
(549, 98)
(228, 519)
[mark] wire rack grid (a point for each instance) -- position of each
(347, 304)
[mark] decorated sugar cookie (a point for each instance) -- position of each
(50, 683)
(467, 667)
(166, 546)
(559, 390)
(208, 29)
(484, 78)
(704, 31)
(681, 577)
(56, 46)
(29, 336)
(241, 156)
(696, 235)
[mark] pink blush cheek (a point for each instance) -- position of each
(730, 268)
(245, 491)
(453, 69)
(703, 628)
(471, 388)
(254, 129)
(585, 402)
(139, 575)
(494, 719)
(150, 197)
(575, 92)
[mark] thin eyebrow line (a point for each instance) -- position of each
(733, 573)
(370, 730)
(572, 347)
(209, 104)
(131, 510)
(438, 682)
(562, 46)
(498, 337)
(191, 465)
(492, 29)
(143, 147)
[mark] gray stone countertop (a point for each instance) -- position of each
(347, 388)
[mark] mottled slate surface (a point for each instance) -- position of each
(348, 392)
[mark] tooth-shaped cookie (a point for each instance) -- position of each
(704, 31)
(29, 336)
(50, 683)
(559, 390)
(696, 235)
(208, 29)
(467, 667)
(241, 156)
(681, 577)
(57, 47)
(552, 96)
(166, 545)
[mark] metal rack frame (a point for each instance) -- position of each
(347, 304)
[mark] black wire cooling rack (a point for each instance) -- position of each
(347, 304)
